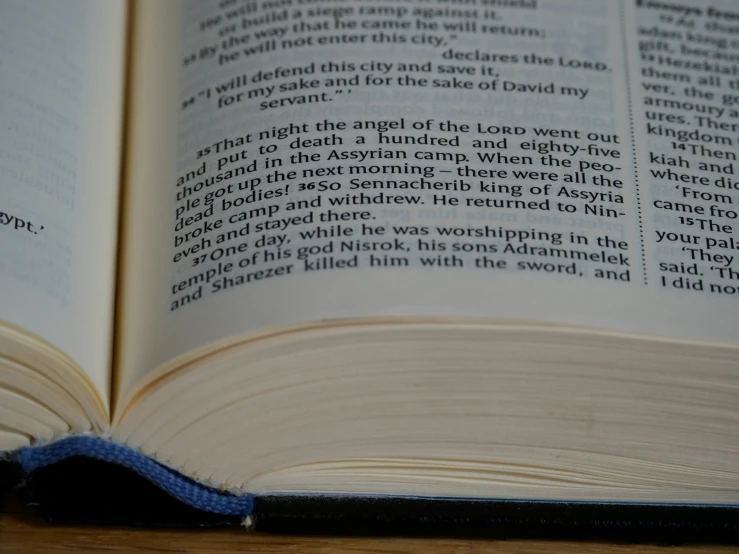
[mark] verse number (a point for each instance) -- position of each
(197, 260)
(319, 186)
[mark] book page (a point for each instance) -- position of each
(570, 162)
(61, 91)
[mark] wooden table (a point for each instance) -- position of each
(24, 531)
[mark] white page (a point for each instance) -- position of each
(553, 87)
(61, 90)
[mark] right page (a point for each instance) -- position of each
(570, 162)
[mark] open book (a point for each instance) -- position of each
(482, 249)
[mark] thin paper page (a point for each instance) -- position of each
(61, 90)
(507, 160)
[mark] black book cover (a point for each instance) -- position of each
(10, 477)
(82, 490)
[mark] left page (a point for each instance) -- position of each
(61, 107)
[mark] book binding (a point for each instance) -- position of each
(173, 483)
(93, 481)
